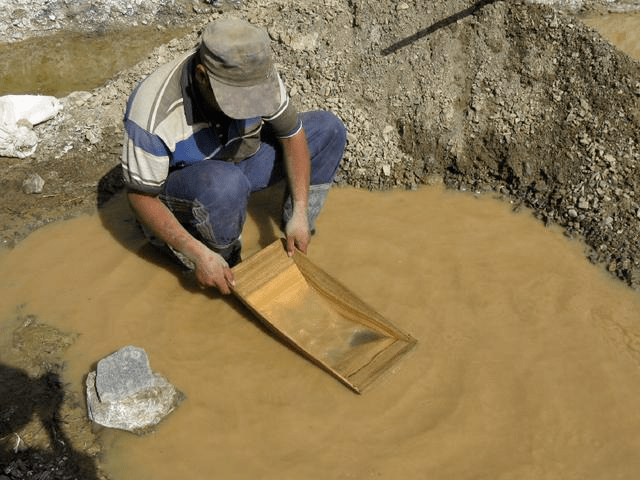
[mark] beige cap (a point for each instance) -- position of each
(237, 56)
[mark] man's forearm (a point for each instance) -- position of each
(298, 165)
(159, 219)
(211, 269)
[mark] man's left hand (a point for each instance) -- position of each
(298, 235)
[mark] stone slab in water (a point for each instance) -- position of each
(123, 374)
(124, 393)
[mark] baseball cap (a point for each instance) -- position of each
(237, 57)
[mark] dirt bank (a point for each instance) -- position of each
(510, 97)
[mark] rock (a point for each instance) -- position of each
(75, 99)
(124, 393)
(583, 204)
(33, 184)
(122, 374)
(93, 137)
(387, 132)
(307, 42)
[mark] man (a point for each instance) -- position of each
(205, 131)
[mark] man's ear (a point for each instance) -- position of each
(201, 75)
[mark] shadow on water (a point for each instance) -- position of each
(23, 399)
(445, 22)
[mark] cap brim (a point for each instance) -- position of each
(237, 102)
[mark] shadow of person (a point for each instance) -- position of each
(119, 220)
(265, 209)
(24, 399)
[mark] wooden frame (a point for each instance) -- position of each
(319, 317)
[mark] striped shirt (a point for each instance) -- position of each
(165, 129)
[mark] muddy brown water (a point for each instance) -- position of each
(65, 62)
(620, 29)
(527, 365)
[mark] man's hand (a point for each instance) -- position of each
(298, 165)
(297, 232)
(213, 271)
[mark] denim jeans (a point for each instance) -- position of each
(210, 198)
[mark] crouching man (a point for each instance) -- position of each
(205, 131)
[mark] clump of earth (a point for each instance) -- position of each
(518, 99)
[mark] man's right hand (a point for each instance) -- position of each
(213, 271)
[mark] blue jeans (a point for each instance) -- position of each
(210, 198)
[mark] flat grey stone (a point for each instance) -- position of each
(137, 413)
(124, 393)
(122, 374)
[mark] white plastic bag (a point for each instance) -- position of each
(18, 114)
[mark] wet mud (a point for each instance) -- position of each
(526, 353)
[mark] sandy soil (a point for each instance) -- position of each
(497, 96)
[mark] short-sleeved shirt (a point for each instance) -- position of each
(166, 129)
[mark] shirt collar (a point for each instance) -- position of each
(192, 112)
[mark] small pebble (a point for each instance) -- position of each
(33, 184)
